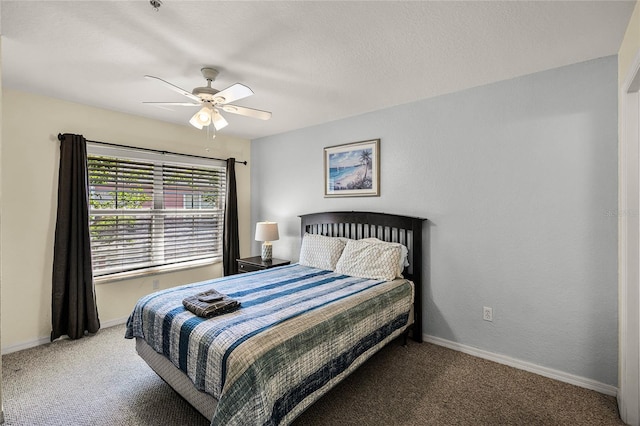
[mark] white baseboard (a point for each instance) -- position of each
(25, 345)
(111, 323)
(524, 365)
(43, 340)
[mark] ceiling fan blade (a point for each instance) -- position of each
(232, 93)
(174, 88)
(248, 112)
(172, 103)
(218, 120)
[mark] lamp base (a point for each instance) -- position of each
(267, 251)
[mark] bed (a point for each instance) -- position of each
(302, 328)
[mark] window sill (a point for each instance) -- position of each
(105, 279)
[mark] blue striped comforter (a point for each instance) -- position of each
(300, 330)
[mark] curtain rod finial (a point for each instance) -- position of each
(60, 136)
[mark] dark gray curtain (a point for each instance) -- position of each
(73, 304)
(230, 242)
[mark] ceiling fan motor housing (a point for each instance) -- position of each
(207, 93)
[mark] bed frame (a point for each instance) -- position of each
(384, 226)
(355, 225)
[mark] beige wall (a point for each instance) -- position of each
(29, 168)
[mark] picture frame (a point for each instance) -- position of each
(352, 169)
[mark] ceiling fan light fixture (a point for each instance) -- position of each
(218, 120)
(195, 123)
(204, 116)
(201, 118)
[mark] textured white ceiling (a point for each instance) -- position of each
(308, 62)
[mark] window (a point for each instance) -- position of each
(150, 210)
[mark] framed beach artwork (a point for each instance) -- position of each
(352, 170)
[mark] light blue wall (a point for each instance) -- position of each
(519, 182)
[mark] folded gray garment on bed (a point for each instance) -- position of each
(210, 309)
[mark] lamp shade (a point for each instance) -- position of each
(267, 231)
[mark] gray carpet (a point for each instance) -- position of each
(99, 380)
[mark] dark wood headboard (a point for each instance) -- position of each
(387, 227)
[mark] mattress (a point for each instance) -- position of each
(299, 332)
(180, 382)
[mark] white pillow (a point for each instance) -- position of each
(369, 259)
(404, 253)
(321, 252)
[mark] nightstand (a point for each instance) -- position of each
(255, 263)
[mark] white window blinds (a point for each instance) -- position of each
(148, 210)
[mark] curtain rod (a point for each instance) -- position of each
(156, 150)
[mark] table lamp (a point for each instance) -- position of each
(267, 232)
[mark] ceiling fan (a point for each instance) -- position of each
(211, 100)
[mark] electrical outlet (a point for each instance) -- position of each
(156, 284)
(487, 313)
